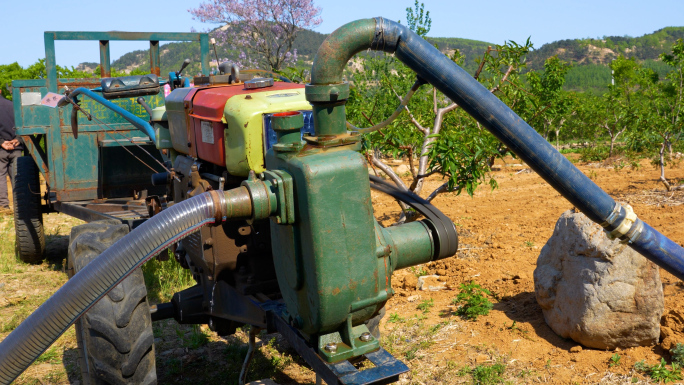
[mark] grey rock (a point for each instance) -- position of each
(598, 292)
(430, 283)
(402, 169)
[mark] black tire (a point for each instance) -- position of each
(115, 338)
(28, 214)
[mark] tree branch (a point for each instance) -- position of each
(495, 89)
(388, 170)
(479, 69)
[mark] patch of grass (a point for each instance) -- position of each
(426, 305)
(660, 372)
(484, 374)
(196, 338)
(9, 264)
(164, 278)
(394, 317)
(410, 338)
(20, 310)
(473, 301)
(529, 244)
(51, 356)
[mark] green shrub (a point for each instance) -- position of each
(678, 354)
(594, 154)
(473, 301)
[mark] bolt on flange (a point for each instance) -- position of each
(331, 347)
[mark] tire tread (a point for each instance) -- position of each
(115, 337)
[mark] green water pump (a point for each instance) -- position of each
(333, 260)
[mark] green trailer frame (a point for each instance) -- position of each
(93, 172)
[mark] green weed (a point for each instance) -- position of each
(484, 374)
(418, 272)
(426, 305)
(473, 301)
(394, 317)
(529, 244)
(678, 354)
(660, 372)
(614, 360)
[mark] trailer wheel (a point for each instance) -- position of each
(114, 337)
(28, 215)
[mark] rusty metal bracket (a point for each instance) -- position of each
(387, 368)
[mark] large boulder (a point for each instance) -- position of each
(598, 292)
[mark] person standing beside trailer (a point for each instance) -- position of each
(10, 150)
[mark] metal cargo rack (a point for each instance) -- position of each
(93, 177)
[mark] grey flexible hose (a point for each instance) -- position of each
(33, 336)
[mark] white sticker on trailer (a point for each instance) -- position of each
(31, 99)
(207, 132)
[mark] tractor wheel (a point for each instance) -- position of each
(28, 215)
(114, 337)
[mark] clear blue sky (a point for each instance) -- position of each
(494, 21)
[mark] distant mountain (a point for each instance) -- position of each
(589, 57)
(173, 54)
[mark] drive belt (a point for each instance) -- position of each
(442, 227)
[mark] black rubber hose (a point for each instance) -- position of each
(33, 336)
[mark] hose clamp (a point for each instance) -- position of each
(625, 226)
(218, 199)
(613, 215)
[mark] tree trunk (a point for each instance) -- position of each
(662, 166)
(612, 143)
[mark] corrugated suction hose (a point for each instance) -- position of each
(33, 336)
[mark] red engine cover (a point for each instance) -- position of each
(206, 111)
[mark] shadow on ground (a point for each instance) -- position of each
(523, 308)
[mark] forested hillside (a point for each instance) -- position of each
(589, 57)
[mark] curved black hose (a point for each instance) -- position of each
(437, 69)
(28, 341)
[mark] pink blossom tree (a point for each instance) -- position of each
(265, 28)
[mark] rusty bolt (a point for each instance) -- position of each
(365, 337)
(331, 347)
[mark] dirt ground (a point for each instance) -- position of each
(501, 234)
